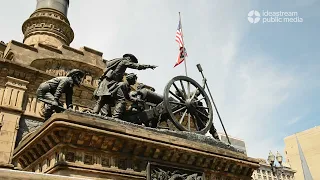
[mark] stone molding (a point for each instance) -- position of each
(21, 175)
(16, 83)
(43, 57)
(49, 22)
(12, 96)
(52, 13)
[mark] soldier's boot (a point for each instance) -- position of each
(106, 110)
(48, 111)
(119, 109)
(98, 106)
(214, 133)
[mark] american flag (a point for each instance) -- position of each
(182, 49)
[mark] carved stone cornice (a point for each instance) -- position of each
(48, 22)
(81, 141)
(16, 83)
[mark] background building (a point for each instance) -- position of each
(310, 146)
(265, 173)
(236, 142)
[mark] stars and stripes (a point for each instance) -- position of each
(182, 50)
(179, 35)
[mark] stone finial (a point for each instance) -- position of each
(48, 24)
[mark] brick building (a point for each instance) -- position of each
(306, 162)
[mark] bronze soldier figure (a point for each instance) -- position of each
(112, 76)
(52, 90)
(122, 94)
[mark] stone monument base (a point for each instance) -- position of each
(82, 145)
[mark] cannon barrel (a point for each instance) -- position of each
(150, 96)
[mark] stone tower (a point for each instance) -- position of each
(44, 54)
(48, 24)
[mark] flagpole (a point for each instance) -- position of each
(185, 58)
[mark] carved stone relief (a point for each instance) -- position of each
(164, 172)
(27, 126)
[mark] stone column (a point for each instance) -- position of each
(11, 102)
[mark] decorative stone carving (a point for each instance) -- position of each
(14, 93)
(26, 126)
(161, 172)
(47, 26)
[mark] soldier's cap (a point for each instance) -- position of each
(75, 72)
(132, 57)
(131, 76)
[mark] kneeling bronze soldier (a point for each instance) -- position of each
(51, 91)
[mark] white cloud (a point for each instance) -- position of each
(294, 120)
(258, 88)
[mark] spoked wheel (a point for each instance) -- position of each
(188, 105)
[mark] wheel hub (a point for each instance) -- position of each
(190, 104)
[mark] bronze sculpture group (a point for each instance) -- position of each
(113, 93)
(111, 89)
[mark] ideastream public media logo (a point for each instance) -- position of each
(273, 17)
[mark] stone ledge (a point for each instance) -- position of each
(95, 142)
(22, 45)
(50, 48)
(7, 166)
(105, 172)
(22, 175)
(71, 49)
(95, 52)
(29, 54)
(126, 128)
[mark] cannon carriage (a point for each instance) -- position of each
(184, 106)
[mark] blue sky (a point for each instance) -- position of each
(264, 77)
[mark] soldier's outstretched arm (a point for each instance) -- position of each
(138, 66)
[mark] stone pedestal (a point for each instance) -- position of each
(79, 145)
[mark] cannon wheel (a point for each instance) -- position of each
(188, 111)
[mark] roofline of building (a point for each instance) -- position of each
(301, 132)
(284, 167)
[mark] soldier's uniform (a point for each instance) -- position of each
(112, 76)
(120, 95)
(52, 90)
